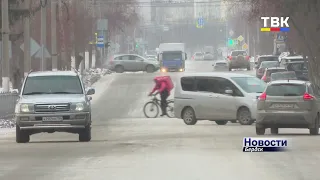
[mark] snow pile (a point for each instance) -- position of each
(7, 123)
(91, 76)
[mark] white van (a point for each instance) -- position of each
(219, 97)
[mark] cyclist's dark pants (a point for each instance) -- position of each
(164, 95)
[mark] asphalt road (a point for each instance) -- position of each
(127, 146)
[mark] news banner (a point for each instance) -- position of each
(253, 144)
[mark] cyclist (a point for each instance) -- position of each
(162, 88)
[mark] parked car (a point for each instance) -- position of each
(285, 75)
(264, 65)
(300, 68)
(239, 59)
(219, 97)
(132, 62)
(267, 73)
(220, 66)
(262, 58)
(287, 59)
(288, 104)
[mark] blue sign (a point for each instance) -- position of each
(200, 21)
(100, 42)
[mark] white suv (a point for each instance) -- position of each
(219, 97)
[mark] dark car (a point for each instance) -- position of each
(300, 68)
(267, 73)
(264, 65)
(265, 58)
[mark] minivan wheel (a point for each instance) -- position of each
(85, 134)
(21, 136)
(274, 130)
(150, 69)
(248, 68)
(244, 116)
(260, 130)
(119, 69)
(221, 122)
(189, 117)
(233, 121)
(315, 130)
(230, 69)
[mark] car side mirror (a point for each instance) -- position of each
(89, 98)
(228, 91)
(91, 91)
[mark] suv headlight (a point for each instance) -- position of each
(22, 108)
(79, 107)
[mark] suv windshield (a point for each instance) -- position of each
(286, 90)
(169, 56)
(239, 53)
(52, 85)
(250, 84)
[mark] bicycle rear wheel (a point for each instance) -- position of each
(151, 109)
(170, 110)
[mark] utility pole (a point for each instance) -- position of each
(43, 34)
(26, 46)
(54, 35)
(5, 45)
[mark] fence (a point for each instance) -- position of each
(7, 104)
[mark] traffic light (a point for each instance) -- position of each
(230, 42)
(137, 45)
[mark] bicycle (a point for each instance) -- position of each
(155, 107)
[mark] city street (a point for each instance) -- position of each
(127, 146)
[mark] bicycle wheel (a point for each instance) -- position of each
(170, 110)
(151, 109)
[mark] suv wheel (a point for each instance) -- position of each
(150, 69)
(189, 117)
(274, 130)
(21, 136)
(85, 134)
(260, 130)
(244, 116)
(315, 130)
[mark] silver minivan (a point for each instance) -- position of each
(219, 97)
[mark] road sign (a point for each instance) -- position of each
(200, 22)
(100, 42)
(245, 46)
(240, 38)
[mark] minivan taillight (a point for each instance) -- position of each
(307, 97)
(263, 96)
(230, 57)
(264, 78)
(111, 60)
(248, 58)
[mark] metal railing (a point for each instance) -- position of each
(7, 104)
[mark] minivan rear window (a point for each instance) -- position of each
(286, 90)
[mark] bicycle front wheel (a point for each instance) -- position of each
(151, 109)
(170, 110)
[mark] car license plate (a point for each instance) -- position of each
(52, 118)
(283, 106)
